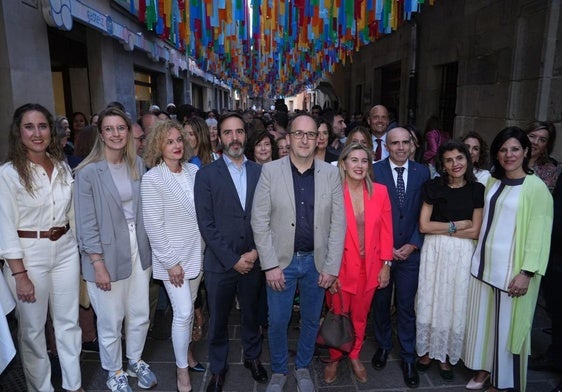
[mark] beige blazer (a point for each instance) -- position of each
(274, 216)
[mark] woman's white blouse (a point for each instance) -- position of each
(49, 206)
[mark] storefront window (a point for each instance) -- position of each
(144, 91)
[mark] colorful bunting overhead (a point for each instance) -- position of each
(268, 48)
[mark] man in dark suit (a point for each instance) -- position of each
(224, 192)
(404, 179)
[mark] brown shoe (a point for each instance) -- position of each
(331, 372)
(359, 370)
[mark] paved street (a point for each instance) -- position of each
(160, 356)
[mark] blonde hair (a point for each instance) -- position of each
(98, 151)
(343, 156)
(157, 139)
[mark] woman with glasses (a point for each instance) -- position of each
(542, 135)
(115, 252)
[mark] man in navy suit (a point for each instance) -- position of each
(407, 243)
(224, 193)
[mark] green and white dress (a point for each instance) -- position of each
(515, 235)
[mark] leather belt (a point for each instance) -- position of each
(54, 233)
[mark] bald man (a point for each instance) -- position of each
(378, 122)
(398, 173)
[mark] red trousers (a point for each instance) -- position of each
(358, 306)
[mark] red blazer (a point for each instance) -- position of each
(378, 239)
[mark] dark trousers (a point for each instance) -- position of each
(404, 280)
(221, 289)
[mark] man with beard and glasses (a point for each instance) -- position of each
(224, 192)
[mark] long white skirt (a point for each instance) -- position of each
(442, 296)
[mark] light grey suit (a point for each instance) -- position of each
(100, 222)
(274, 216)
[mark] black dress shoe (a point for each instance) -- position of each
(379, 359)
(216, 383)
(423, 367)
(411, 377)
(258, 371)
(197, 368)
(446, 373)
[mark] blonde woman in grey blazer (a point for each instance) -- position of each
(114, 247)
(171, 224)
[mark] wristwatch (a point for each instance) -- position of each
(388, 262)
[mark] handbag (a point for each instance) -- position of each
(336, 330)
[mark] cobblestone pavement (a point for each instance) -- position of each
(159, 354)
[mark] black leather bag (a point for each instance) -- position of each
(336, 330)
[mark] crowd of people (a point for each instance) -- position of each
(363, 218)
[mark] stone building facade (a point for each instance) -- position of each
(479, 65)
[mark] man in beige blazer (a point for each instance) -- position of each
(298, 222)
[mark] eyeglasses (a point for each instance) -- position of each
(120, 129)
(536, 138)
(309, 135)
(140, 138)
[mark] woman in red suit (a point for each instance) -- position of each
(367, 251)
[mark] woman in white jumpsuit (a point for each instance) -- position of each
(42, 267)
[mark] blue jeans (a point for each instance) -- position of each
(301, 271)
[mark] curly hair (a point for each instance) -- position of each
(203, 136)
(157, 139)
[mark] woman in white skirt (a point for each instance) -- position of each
(450, 217)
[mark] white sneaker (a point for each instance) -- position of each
(304, 382)
(118, 382)
(276, 383)
(141, 370)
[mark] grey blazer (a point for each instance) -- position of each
(100, 222)
(274, 216)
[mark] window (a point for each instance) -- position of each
(144, 91)
(448, 95)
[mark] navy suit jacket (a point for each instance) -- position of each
(223, 223)
(404, 219)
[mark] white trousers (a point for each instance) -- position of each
(54, 269)
(182, 299)
(182, 306)
(127, 300)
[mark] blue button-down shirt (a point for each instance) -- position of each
(238, 175)
(304, 206)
